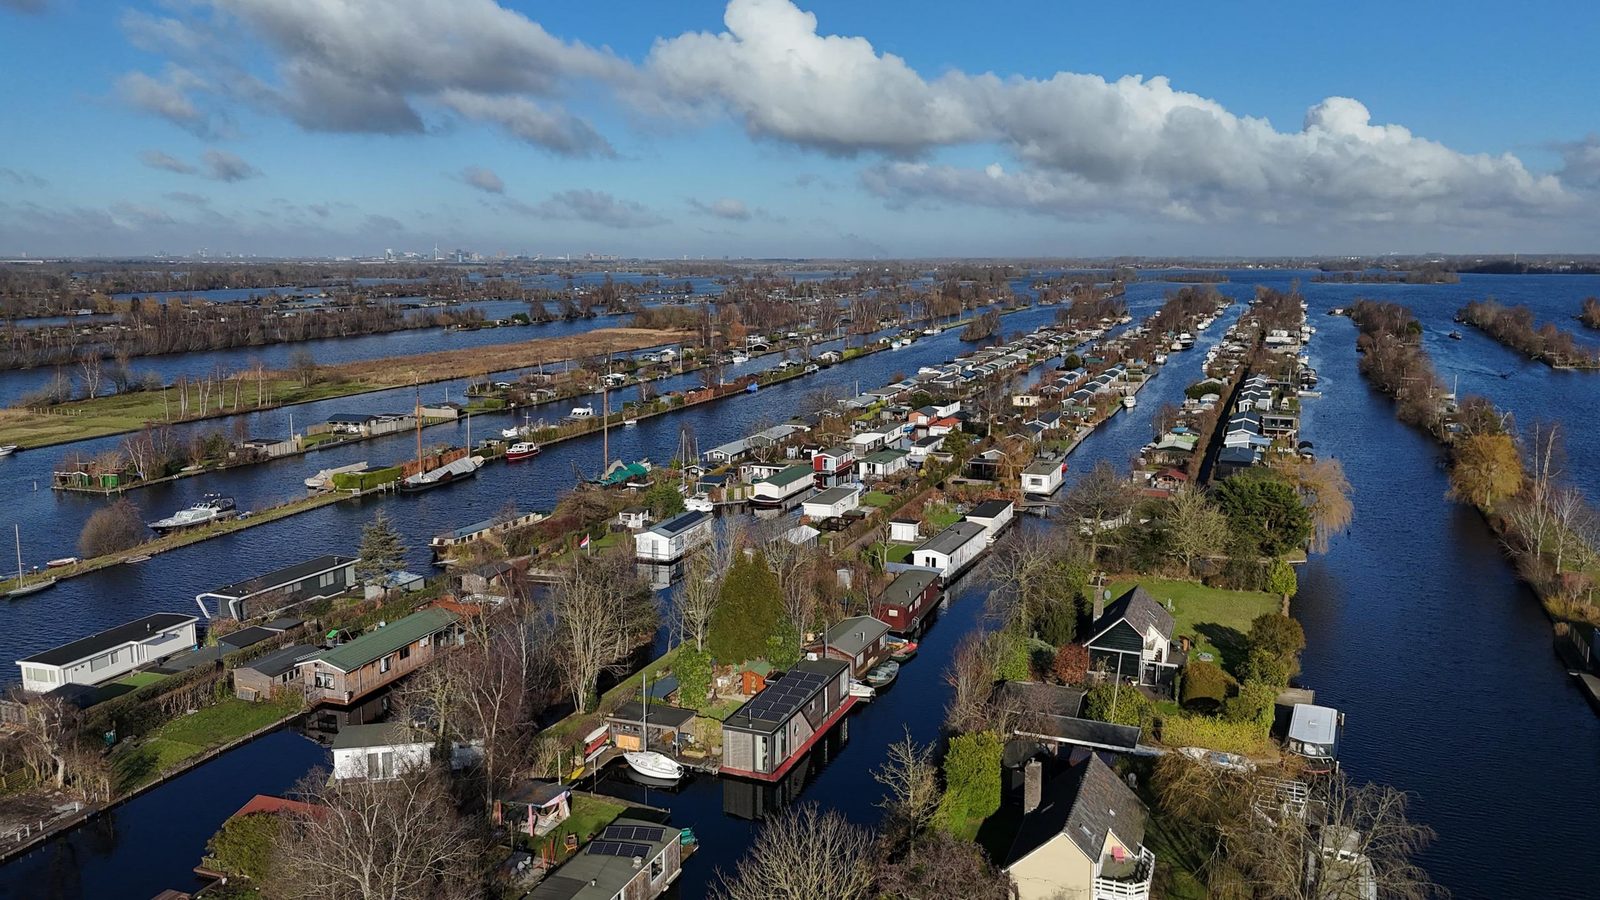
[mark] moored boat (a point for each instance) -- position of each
(1129, 402)
(7, 449)
(861, 690)
(883, 674)
(902, 651)
(62, 562)
(463, 468)
(212, 508)
(521, 450)
(651, 764)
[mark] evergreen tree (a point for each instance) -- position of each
(382, 550)
(749, 611)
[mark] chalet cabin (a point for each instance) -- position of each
(1082, 835)
(534, 807)
(834, 465)
(671, 539)
(952, 550)
(857, 641)
(112, 653)
(343, 674)
(263, 595)
(263, 677)
(389, 750)
(634, 518)
(1043, 476)
(831, 503)
(765, 738)
(1132, 640)
(993, 515)
(908, 600)
(777, 489)
(904, 530)
(885, 463)
(630, 859)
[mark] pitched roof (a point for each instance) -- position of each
(851, 636)
(907, 586)
(286, 575)
(388, 639)
(788, 476)
(1140, 609)
(1083, 803)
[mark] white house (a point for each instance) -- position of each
(671, 539)
(952, 550)
(775, 490)
(922, 448)
(835, 501)
(109, 654)
(390, 749)
(885, 463)
(1043, 476)
(993, 515)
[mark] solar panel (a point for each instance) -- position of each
(617, 848)
(631, 833)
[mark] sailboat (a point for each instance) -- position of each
(23, 590)
(455, 470)
(648, 762)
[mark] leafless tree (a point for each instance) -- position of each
(696, 601)
(971, 677)
(91, 373)
(375, 840)
(601, 611)
(939, 864)
(803, 855)
(1098, 501)
(912, 780)
(1195, 527)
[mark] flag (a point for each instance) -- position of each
(584, 544)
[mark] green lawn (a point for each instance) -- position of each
(1216, 620)
(899, 553)
(590, 814)
(186, 737)
(876, 498)
(942, 515)
(124, 685)
(724, 707)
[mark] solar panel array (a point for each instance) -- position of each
(782, 697)
(616, 848)
(632, 833)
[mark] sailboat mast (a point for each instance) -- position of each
(18, 529)
(417, 415)
(605, 416)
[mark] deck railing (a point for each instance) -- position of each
(1133, 886)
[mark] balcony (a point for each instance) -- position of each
(1125, 879)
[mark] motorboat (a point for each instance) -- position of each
(861, 690)
(510, 433)
(1455, 335)
(521, 450)
(62, 562)
(812, 369)
(698, 503)
(460, 469)
(629, 423)
(1128, 402)
(1160, 359)
(651, 764)
(930, 332)
(738, 359)
(211, 509)
(902, 651)
(580, 413)
(7, 449)
(883, 674)
(896, 344)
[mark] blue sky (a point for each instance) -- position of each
(338, 127)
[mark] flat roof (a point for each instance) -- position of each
(281, 660)
(111, 638)
(831, 495)
(383, 734)
(908, 585)
(288, 575)
(605, 866)
(246, 637)
(661, 715)
(1314, 724)
(988, 509)
(788, 476)
(953, 538)
(785, 695)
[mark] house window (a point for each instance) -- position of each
(327, 579)
(405, 652)
(323, 680)
(656, 869)
(380, 765)
(385, 663)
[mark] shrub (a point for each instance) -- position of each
(1253, 705)
(112, 529)
(972, 781)
(243, 847)
(1205, 686)
(1265, 667)
(1122, 706)
(693, 668)
(1072, 664)
(1188, 730)
(1012, 659)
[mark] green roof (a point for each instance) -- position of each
(885, 456)
(388, 639)
(788, 476)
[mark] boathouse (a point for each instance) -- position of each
(116, 651)
(314, 579)
(765, 738)
(908, 600)
(343, 674)
(631, 858)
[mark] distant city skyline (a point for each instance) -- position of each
(767, 128)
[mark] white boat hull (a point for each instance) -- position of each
(653, 765)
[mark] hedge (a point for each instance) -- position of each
(365, 481)
(1244, 738)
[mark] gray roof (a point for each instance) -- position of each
(952, 538)
(287, 575)
(907, 586)
(111, 638)
(989, 509)
(831, 495)
(852, 635)
(383, 734)
(661, 715)
(281, 660)
(1140, 609)
(1044, 465)
(603, 868)
(680, 523)
(1083, 803)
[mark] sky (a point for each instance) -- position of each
(777, 128)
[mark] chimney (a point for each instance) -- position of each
(1032, 785)
(1099, 604)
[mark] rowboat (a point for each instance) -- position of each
(884, 674)
(902, 651)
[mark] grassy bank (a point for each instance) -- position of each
(29, 428)
(1217, 620)
(182, 740)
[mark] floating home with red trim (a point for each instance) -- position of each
(774, 730)
(908, 600)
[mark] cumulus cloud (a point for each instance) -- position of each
(724, 208)
(168, 96)
(1082, 143)
(483, 179)
(155, 159)
(555, 130)
(598, 207)
(224, 166)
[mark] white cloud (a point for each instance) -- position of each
(1084, 144)
(598, 207)
(724, 208)
(1580, 162)
(167, 96)
(554, 129)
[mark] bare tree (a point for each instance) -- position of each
(601, 611)
(912, 780)
(91, 373)
(375, 840)
(803, 855)
(971, 677)
(1098, 502)
(1195, 527)
(696, 601)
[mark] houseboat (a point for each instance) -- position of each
(671, 539)
(769, 734)
(776, 490)
(908, 600)
(953, 550)
(346, 673)
(1314, 734)
(444, 542)
(273, 592)
(859, 641)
